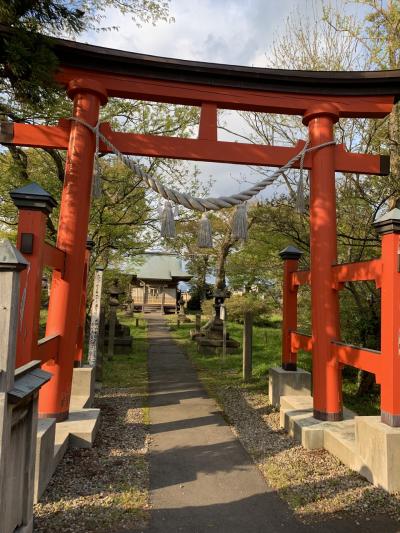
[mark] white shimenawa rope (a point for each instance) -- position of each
(191, 202)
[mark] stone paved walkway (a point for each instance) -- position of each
(201, 478)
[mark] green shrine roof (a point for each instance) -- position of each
(157, 266)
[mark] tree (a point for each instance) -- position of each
(27, 60)
(124, 218)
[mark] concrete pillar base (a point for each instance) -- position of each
(288, 383)
(83, 388)
(363, 443)
(53, 440)
(27, 528)
(44, 453)
(378, 448)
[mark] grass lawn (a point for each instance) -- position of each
(217, 372)
(129, 370)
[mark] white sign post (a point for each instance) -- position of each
(95, 319)
(222, 314)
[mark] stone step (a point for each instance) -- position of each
(363, 443)
(340, 441)
(296, 416)
(44, 467)
(61, 441)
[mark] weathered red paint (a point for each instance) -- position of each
(361, 358)
(228, 98)
(65, 295)
(358, 271)
(301, 277)
(34, 222)
(289, 314)
(205, 148)
(300, 341)
(327, 387)
(390, 327)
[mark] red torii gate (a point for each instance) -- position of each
(92, 74)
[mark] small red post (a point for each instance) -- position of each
(290, 256)
(65, 296)
(389, 228)
(34, 205)
(79, 355)
(327, 380)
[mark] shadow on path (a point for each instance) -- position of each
(201, 478)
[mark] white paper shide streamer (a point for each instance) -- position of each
(239, 223)
(205, 232)
(168, 230)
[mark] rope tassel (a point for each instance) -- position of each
(239, 223)
(300, 200)
(167, 222)
(205, 232)
(96, 185)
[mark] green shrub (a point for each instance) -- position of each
(236, 306)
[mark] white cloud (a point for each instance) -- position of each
(219, 31)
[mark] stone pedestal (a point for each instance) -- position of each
(288, 383)
(44, 454)
(363, 443)
(82, 392)
(378, 448)
(210, 338)
(122, 342)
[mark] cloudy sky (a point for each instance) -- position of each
(221, 31)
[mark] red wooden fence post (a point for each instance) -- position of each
(66, 292)
(79, 355)
(34, 205)
(327, 385)
(290, 256)
(389, 370)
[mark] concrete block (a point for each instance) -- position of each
(61, 441)
(26, 528)
(339, 440)
(83, 388)
(296, 416)
(363, 443)
(81, 427)
(288, 383)
(378, 447)
(44, 455)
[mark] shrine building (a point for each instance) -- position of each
(155, 279)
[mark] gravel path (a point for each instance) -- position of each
(315, 484)
(104, 488)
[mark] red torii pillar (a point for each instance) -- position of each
(327, 379)
(65, 296)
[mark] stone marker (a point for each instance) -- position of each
(247, 345)
(95, 318)
(222, 314)
(198, 322)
